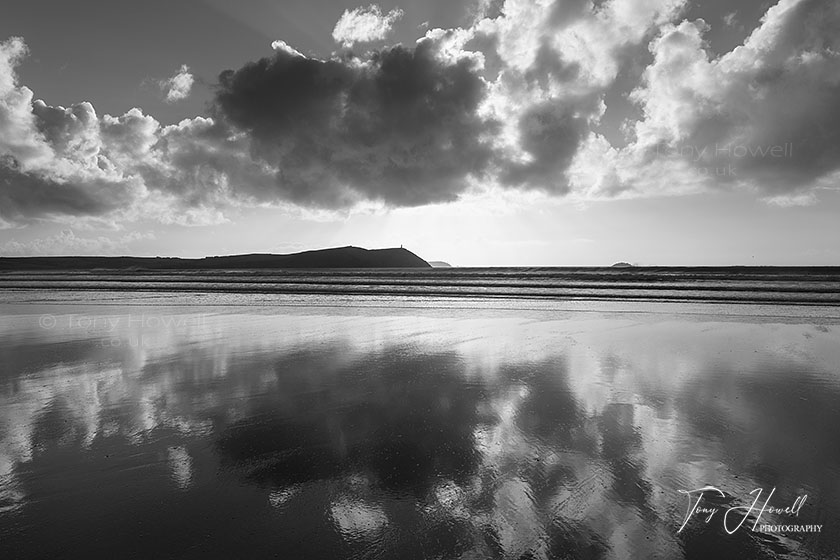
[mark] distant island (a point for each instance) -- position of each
(440, 264)
(622, 264)
(339, 257)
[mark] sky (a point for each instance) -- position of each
(480, 132)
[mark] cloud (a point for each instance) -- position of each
(179, 86)
(198, 168)
(550, 134)
(730, 19)
(763, 116)
(401, 127)
(36, 195)
(518, 101)
(67, 242)
(552, 66)
(64, 164)
(51, 161)
(282, 46)
(800, 199)
(19, 137)
(364, 25)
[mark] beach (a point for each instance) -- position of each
(420, 280)
(335, 425)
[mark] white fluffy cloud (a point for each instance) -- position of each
(19, 137)
(67, 163)
(763, 116)
(52, 161)
(283, 46)
(179, 86)
(364, 25)
(552, 64)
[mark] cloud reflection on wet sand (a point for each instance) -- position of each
(502, 435)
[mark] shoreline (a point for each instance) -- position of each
(69, 302)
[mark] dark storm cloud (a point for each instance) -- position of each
(402, 127)
(551, 134)
(33, 195)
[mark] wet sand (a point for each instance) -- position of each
(161, 425)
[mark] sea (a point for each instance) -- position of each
(510, 413)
